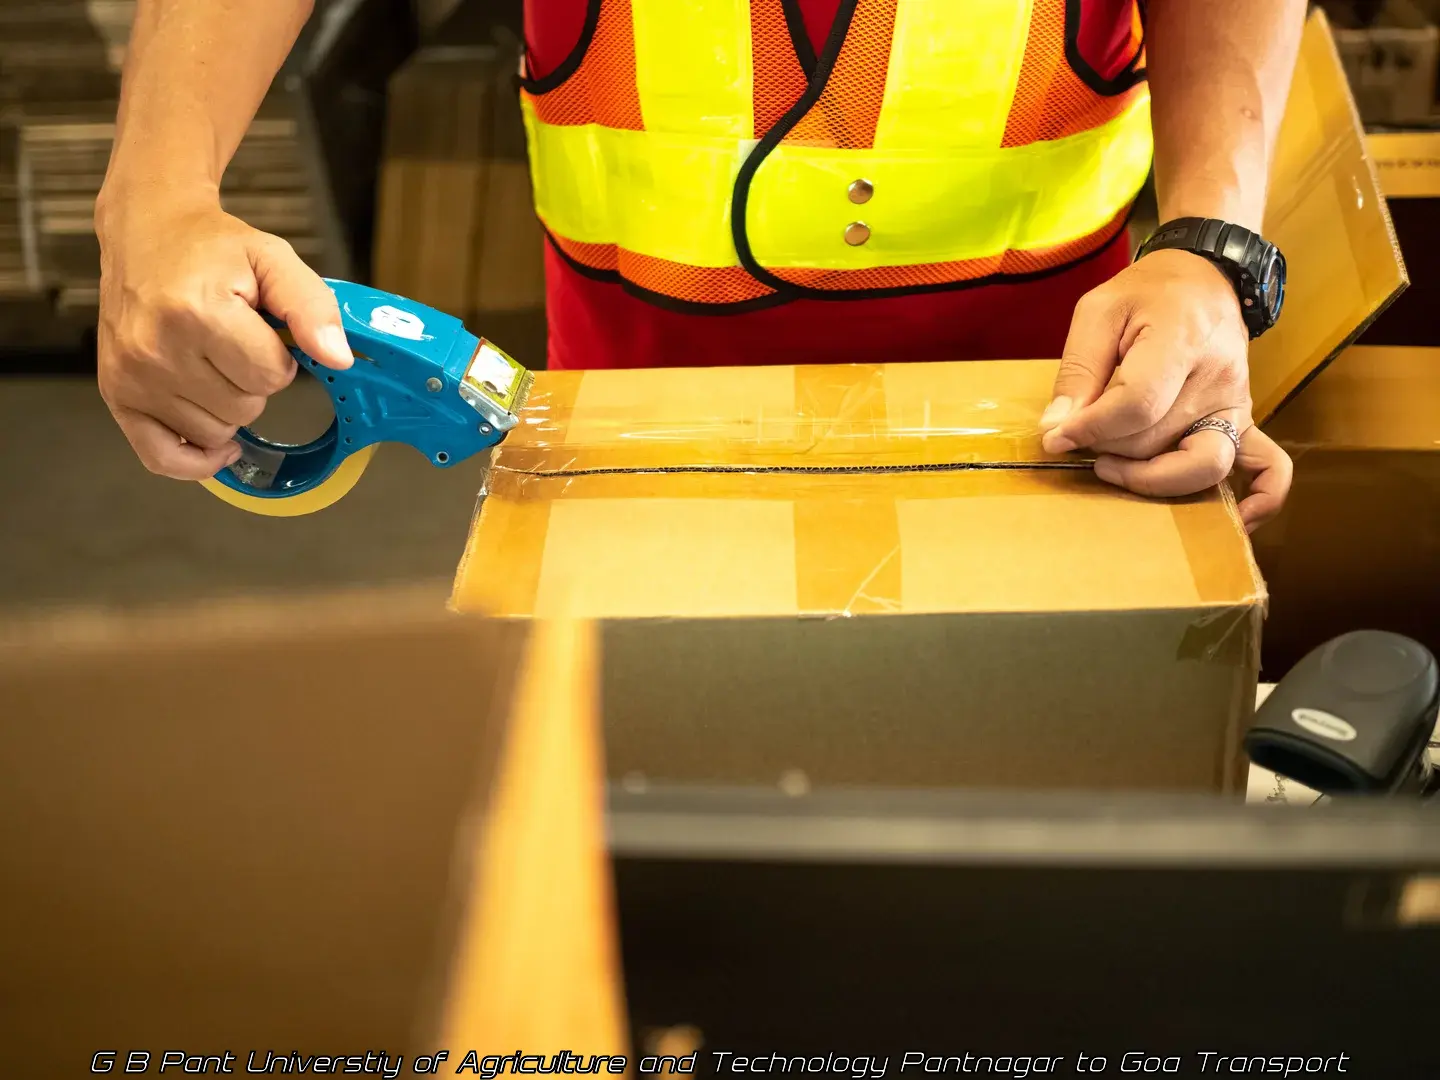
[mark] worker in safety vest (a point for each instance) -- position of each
(777, 181)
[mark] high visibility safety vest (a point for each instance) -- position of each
(697, 152)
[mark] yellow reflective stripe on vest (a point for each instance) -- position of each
(951, 79)
(939, 207)
(654, 194)
(669, 196)
(694, 67)
(944, 189)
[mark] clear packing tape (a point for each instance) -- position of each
(855, 417)
(829, 491)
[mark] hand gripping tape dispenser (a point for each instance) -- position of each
(419, 378)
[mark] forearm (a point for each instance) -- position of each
(1219, 75)
(195, 74)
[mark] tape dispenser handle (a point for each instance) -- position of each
(267, 469)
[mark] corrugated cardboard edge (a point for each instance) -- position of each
(1235, 765)
(535, 963)
(1261, 596)
(1319, 14)
(452, 603)
(1230, 634)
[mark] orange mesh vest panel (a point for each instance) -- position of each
(695, 153)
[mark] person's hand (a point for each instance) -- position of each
(1156, 348)
(184, 358)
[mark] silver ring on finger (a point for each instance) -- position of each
(1214, 423)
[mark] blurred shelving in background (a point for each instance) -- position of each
(305, 171)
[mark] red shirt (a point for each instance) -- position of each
(596, 324)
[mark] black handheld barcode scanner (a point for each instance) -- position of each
(1354, 717)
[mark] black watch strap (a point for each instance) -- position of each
(1254, 266)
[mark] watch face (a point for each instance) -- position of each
(1273, 289)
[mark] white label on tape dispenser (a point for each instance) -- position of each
(397, 323)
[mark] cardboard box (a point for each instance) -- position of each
(1358, 543)
(874, 575)
(1326, 213)
(324, 825)
(915, 624)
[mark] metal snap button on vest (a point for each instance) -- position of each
(861, 190)
(856, 233)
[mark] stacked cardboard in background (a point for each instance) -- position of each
(1391, 50)
(456, 222)
(64, 159)
(53, 64)
(59, 85)
(16, 268)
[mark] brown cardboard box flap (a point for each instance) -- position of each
(259, 785)
(320, 823)
(1326, 214)
(1359, 539)
(1373, 397)
(783, 543)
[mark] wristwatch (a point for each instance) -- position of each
(1255, 267)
